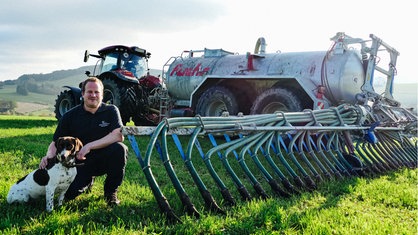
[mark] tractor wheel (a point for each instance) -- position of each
(276, 99)
(120, 94)
(64, 102)
(215, 101)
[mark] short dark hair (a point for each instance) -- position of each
(91, 79)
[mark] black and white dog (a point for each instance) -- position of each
(54, 179)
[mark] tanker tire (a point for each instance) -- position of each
(64, 102)
(216, 100)
(120, 94)
(276, 99)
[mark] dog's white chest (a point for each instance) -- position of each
(61, 176)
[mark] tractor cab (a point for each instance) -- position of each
(125, 62)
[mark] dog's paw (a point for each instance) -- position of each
(49, 208)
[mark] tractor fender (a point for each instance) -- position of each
(119, 75)
(76, 93)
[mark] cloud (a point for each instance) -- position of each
(41, 20)
(38, 33)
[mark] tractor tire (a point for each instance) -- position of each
(64, 102)
(276, 99)
(120, 94)
(216, 100)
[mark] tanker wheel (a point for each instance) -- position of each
(120, 94)
(216, 100)
(64, 102)
(276, 99)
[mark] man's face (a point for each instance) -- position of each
(93, 95)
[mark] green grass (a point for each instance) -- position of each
(384, 204)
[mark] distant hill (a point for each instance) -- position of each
(69, 77)
(56, 75)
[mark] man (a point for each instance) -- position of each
(98, 126)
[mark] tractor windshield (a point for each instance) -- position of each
(110, 62)
(135, 64)
(130, 62)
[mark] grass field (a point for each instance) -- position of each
(383, 204)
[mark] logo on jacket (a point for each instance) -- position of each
(104, 124)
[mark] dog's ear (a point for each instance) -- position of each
(58, 142)
(78, 144)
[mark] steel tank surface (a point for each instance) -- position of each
(185, 74)
(340, 73)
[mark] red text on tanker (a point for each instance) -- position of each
(196, 71)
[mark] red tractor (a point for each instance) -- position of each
(127, 84)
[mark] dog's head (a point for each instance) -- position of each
(67, 148)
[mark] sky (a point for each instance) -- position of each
(42, 36)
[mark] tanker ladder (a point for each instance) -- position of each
(269, 154)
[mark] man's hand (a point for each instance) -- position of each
(81, 155)
(52, 149)
(43, 163)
